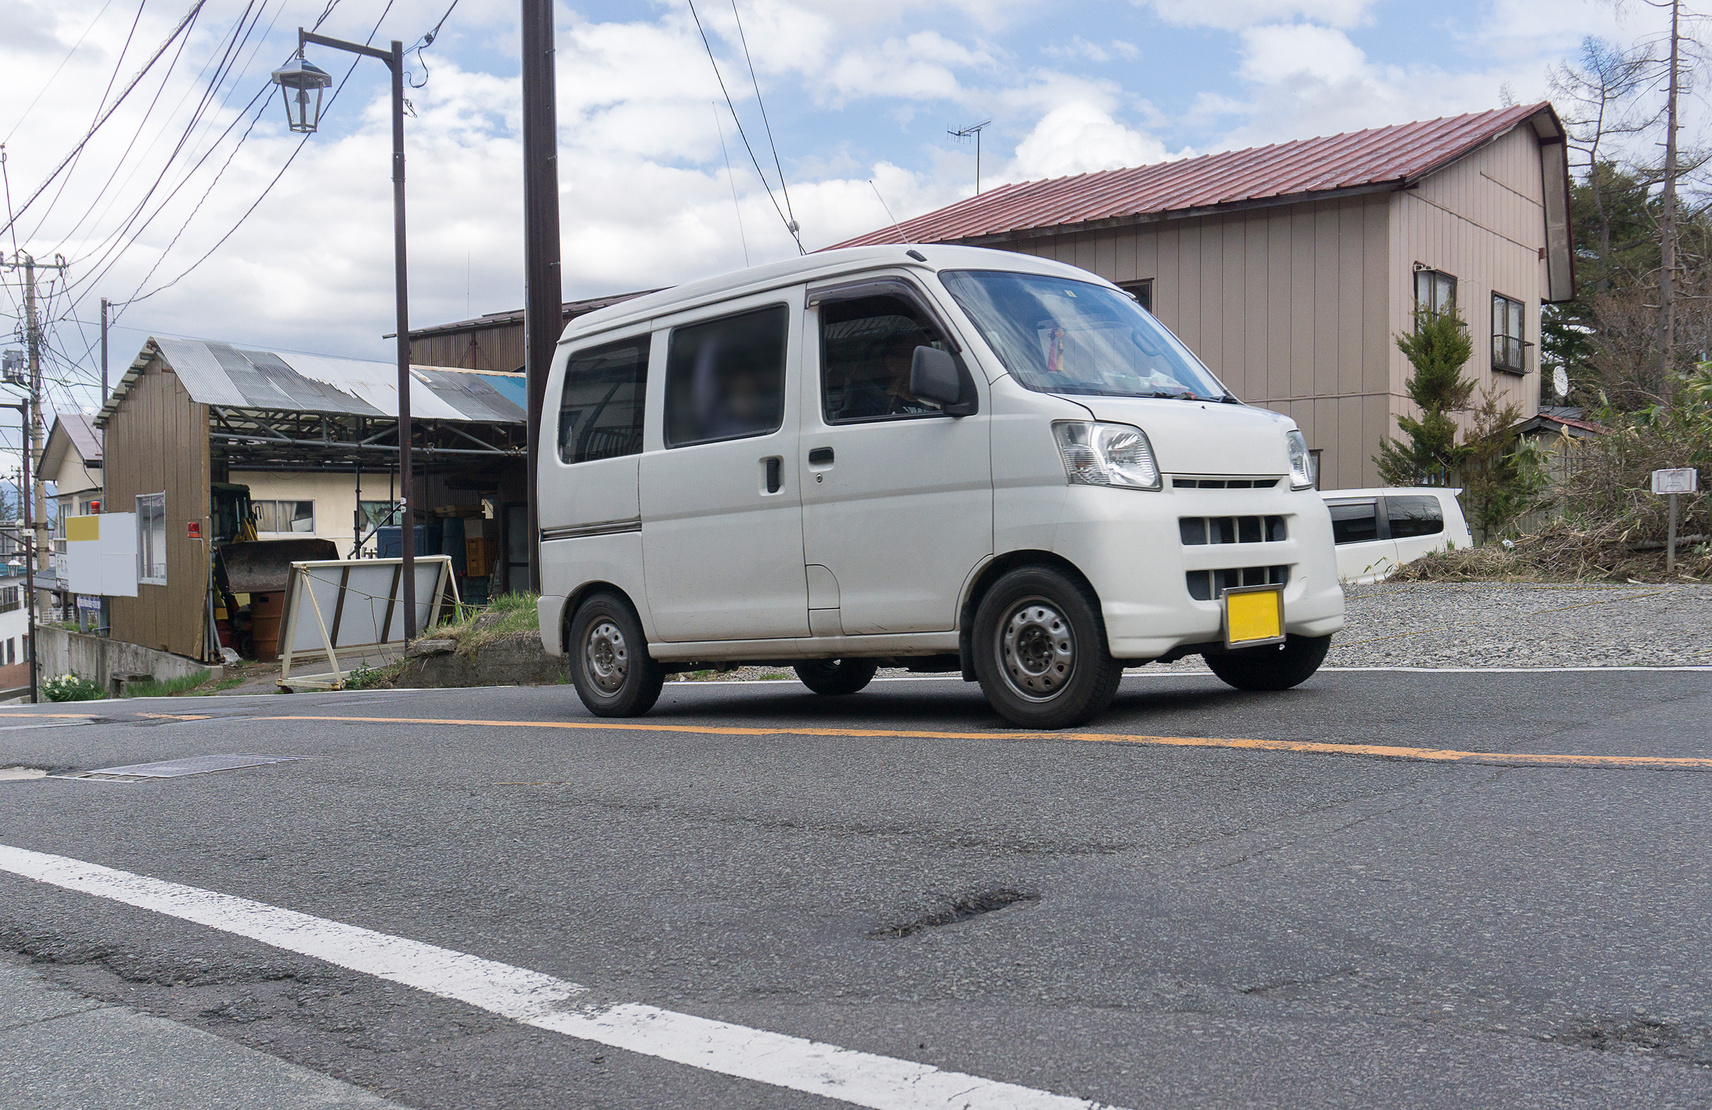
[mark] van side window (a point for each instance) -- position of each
(725, 379)
(1354, 521)
(866, 347)
(1414, 516)
(600, 415)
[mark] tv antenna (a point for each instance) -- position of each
(963, 133)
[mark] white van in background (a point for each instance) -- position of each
(940, 458)
(1378, 530)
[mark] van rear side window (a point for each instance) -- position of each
(725, 379)
(1414, 516)
(1354, 521)
(600, 415)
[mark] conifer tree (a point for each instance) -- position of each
(1438, 349)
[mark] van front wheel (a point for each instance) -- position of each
(836, 676)
(1040, 651)
(1274, 667)
(610, 665)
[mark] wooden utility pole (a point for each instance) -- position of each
(543, 300)
(1667, 219)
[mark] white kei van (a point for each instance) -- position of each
(939, 458)
(1378, 530)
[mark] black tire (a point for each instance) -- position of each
(610, 665)
(836, 676)
(1040, 650)
(1273, 667)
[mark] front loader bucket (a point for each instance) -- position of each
(264, 566)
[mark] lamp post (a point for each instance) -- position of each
(300, 83)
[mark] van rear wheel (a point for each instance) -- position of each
(1274, 667)
(610, 665)
(1040, 650)
(836, 676)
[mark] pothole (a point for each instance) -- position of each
(961, 908)
(1639, 1034)
(20, 774)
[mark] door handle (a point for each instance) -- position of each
(820, 456)
(775, 481)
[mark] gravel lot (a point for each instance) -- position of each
(1507, 624)
(1494, 624)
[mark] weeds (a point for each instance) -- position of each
(71, 687)
(166, 688)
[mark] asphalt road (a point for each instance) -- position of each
(1130, 922)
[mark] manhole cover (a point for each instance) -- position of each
(177, 768)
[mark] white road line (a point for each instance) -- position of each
(547, 1002)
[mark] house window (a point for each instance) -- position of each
(285, 516)
(1509, 344)
(377, 513)
(10, 599)
(1142, 291)
(1435, 291)
(11, 650)
(151, 538)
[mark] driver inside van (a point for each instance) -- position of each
(890, 395)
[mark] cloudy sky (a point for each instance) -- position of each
(857, 93)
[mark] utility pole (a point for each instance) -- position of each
(543, 301)
(964, 133)
(104, 305)
(1667, 219)
(33, 437)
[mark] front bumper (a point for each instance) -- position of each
(1130, 546)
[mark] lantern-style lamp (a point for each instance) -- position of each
(296, 80)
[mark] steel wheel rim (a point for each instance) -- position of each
(606, 658)
(1037, 649)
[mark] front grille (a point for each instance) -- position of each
(1205, 585)
(1199, 530)
(1223, 483)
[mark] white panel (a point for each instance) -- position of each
(369, 590)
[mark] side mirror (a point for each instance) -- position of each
(936, 376)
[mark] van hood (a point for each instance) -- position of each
(1202, 437)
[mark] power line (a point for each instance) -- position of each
(756, 81)
(183, 25)
(137, 295)
(55, 75)
(790, 226)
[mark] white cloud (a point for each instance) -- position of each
(1081, 137)
(1232, 15)
(1080, 48)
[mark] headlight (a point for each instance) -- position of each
(1106, 454)
(1301, 463)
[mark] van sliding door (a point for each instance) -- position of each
(721, 505)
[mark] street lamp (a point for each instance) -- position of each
(300, 77)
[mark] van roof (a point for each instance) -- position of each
(818, 266)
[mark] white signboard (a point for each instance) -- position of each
(336, 604)
(1683, 480)
(101, 554)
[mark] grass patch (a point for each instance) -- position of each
(169, 688)
(505, 615)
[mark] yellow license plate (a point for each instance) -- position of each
(1254, 615)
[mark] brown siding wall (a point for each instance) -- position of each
(158, 440)
(1287, 305)
(496, 348)
(1483, 221)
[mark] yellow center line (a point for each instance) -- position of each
(1308, 747)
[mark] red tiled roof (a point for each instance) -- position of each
(1394, 155)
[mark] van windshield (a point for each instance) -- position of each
(1057, 335)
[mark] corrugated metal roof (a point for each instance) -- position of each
(267, 381)
(1383, 156)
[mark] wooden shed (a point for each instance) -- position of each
(190, 413)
